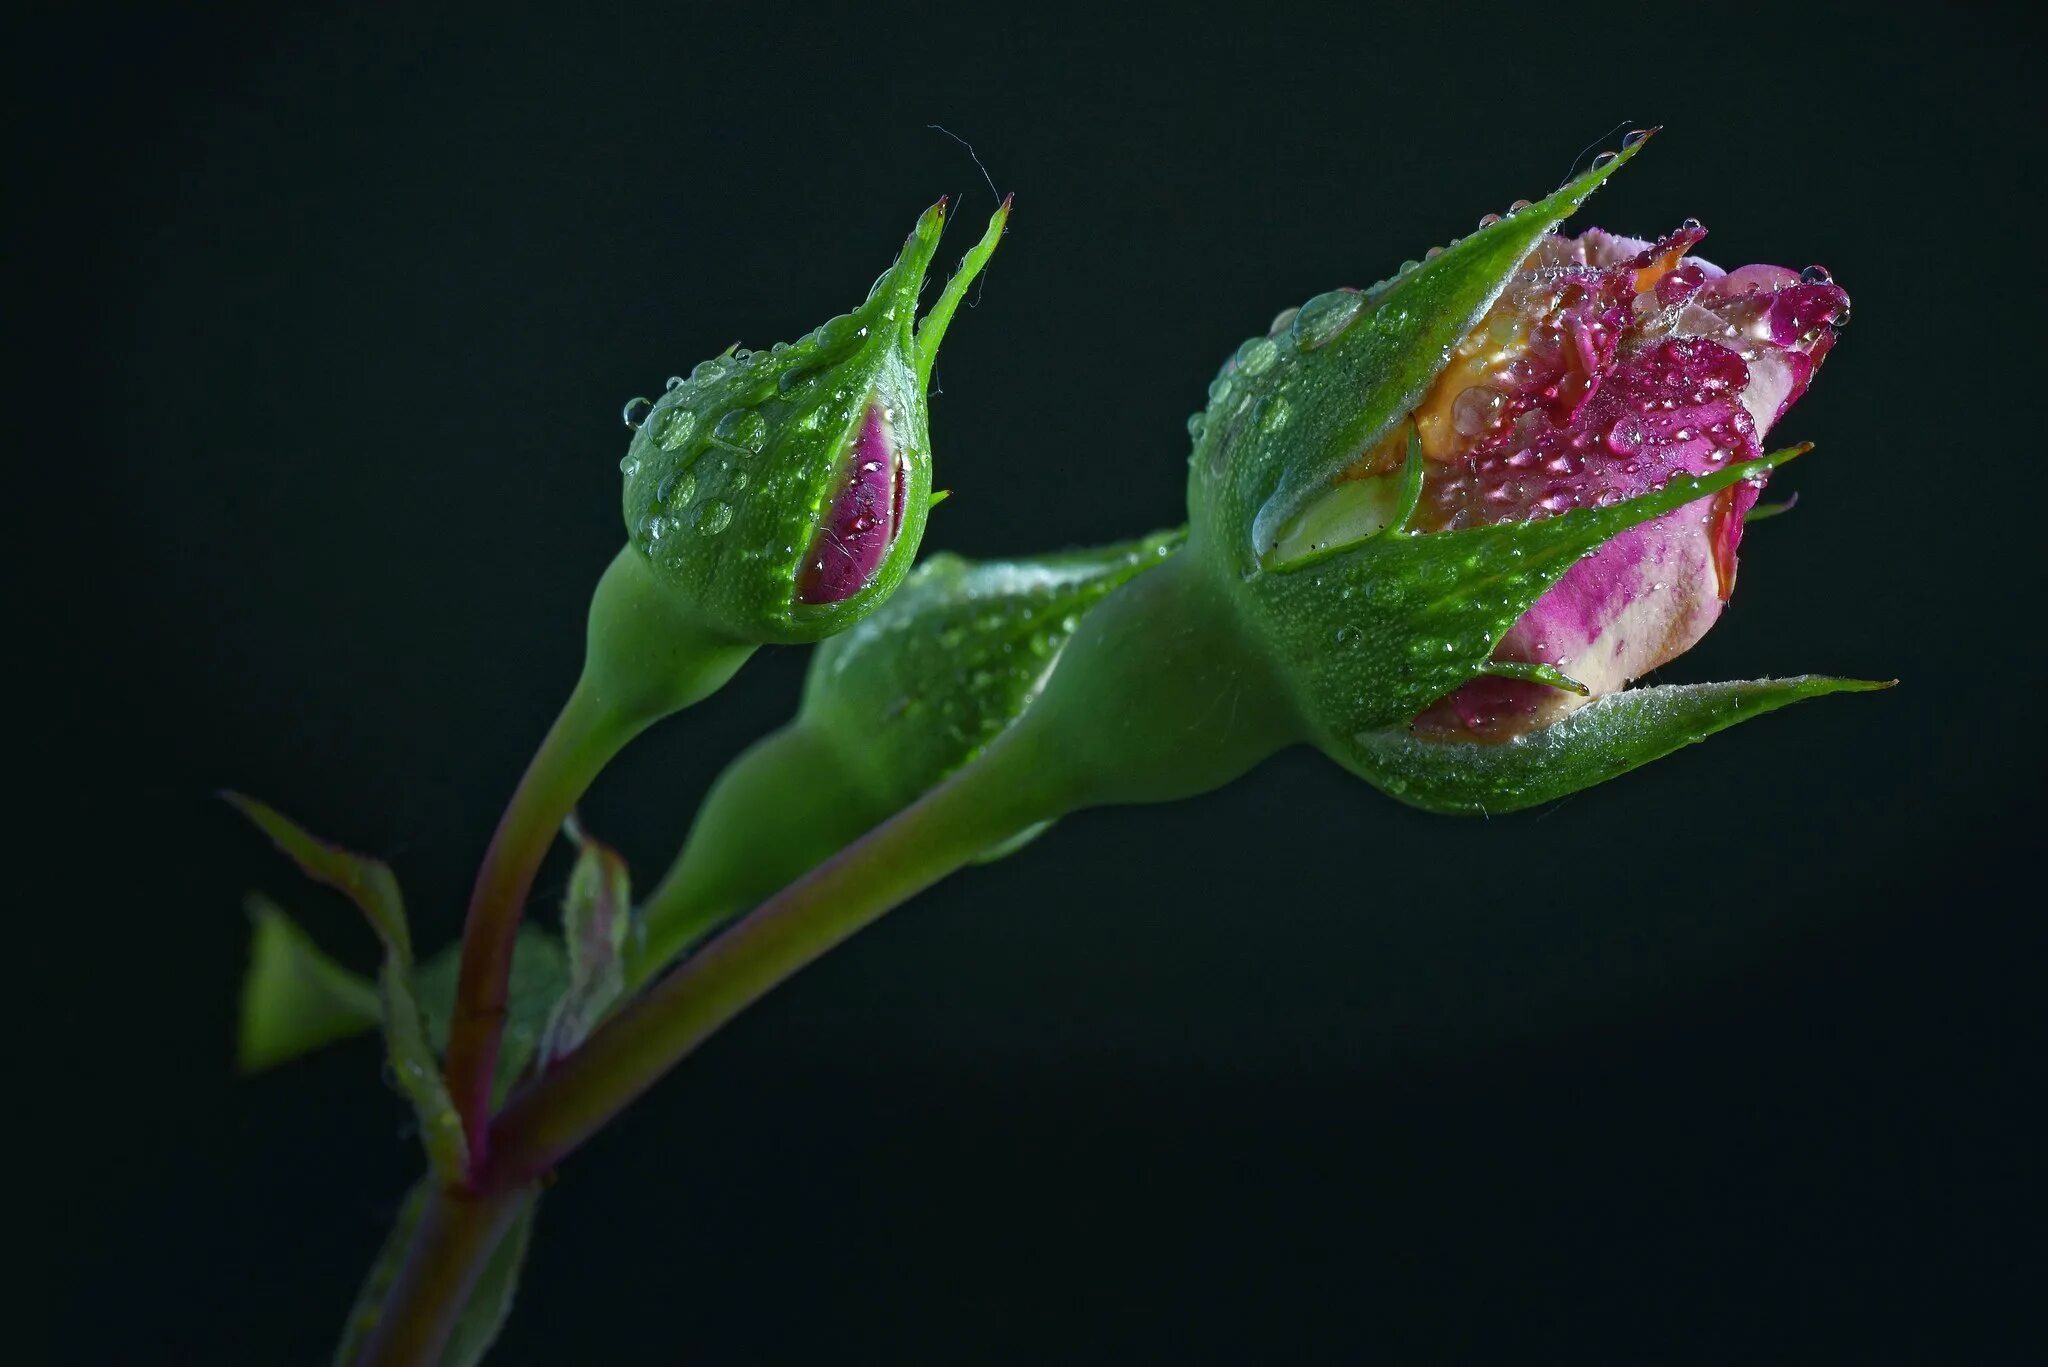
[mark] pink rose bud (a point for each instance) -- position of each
(1606, 367)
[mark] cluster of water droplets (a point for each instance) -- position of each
(698, 450)
(960, 650)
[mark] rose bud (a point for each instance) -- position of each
(1452, 508)
(1605, 366)
(890, 708)
(781, 494)
(770, 496)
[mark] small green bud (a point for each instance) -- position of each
(890, 709)
(779, 495)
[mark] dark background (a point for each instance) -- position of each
(1735, 1059)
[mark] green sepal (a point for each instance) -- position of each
(1368, 637)
(370, 885)
(295, 999)
(1293, 409)
(932, 331)
(597, 912)
(1534, 672)
(490, 1300)
(1606, 737)
(924, 685)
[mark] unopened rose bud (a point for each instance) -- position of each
(1605, 367)
(1456, 507)
(891, 707)
(780, 494)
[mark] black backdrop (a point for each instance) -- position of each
(1734, 1059)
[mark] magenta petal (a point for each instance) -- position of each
(862, 522)
(1641, 600)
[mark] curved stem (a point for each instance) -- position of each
(1003, 792)
(785, 806)
(582, 741)
(453, 1241)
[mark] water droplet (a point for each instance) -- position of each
(1196, 423)
(1604, 160)
(1475, 409)
(676, 487)
(793, 380)
(674, 382)
(635, 412)
(1219, 389)
(1488, 220)
(1517, 207)
(673, 427)
(1634, 138)
(715, 517)
(1816, 275)
(1323, 318)
(742, 429)
(1282, 320)
(629, 465)
(1256, 356)
(1433, 253)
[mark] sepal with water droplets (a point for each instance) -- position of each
(924, 685)
(1602, 740)
(1292, 409)
(781, 494)
(1369, 635)
(891, 708)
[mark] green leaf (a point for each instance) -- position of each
(294, 998)
(596, 914)
(540, 974)
(370, 885)
(366, 882)
(368, 1306)
(490, 1300)
(1607, 737)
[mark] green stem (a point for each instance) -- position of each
(453, 1241)
(1155, 698)
(582, 741)
(782, 808)
(645, 659)
(1006, 790)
